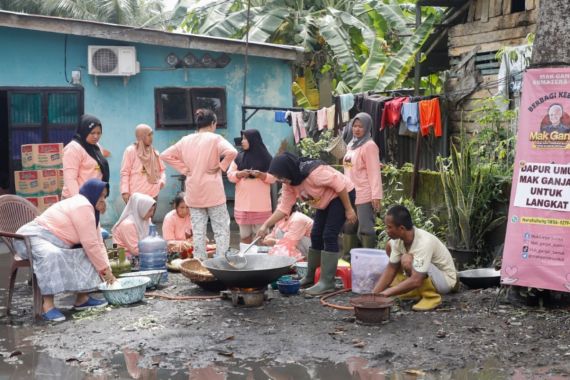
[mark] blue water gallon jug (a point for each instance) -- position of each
(152, 252)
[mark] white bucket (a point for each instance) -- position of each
(367, 266)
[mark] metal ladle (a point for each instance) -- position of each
(239, 261)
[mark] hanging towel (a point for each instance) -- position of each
(330, 116)
(391, 115)
(299, 131)
(280, 117)
(430, 116)
(346, 102)
(410, 117)
(310, 119)
(322, 121)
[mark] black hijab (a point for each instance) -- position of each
(86, 125)
(257, 157)
(293, 168)
(92, 190)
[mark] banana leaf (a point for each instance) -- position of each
(300, 97)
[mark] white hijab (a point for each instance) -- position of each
(137, 207)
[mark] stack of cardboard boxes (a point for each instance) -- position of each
(41, 179)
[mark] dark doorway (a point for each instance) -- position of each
(517, 6)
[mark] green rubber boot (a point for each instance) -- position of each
(349, 241)
(326, 284)
(368, 241)
(313, 262)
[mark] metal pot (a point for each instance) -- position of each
(259, 271)
(480, 278)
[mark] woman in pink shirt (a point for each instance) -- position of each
(332, 194)
(83, 158)
(291, 236)
(202, 157)
(141, 169)
(253, 185)
(177, 228)
(133, 225)
(362, 165)
(59, 265)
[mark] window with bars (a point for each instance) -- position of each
(175, 106)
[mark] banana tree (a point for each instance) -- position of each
(368, 44)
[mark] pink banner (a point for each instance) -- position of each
(537, 245)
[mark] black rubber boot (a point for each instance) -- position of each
(313, 262)
(326, 284)
(349, 241)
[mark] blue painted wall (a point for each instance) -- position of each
(34, 59)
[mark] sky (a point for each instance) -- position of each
(169, 4)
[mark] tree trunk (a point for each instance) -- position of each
(552, 34)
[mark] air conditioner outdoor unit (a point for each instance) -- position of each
(113, 60)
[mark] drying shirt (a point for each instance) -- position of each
(391, 115)
(134, 178)
(280, 117)
(175, 227)
(430, 116)
(252, 194)
(410, 117)
(73, 221)
(322, 119)
(78, 167)
(125, 235)
(318, 189)
(426, 249)
(362, 166)
(197, 156)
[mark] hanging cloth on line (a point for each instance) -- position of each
(280, 117)
(410, 123)
(430, 116)
(391, 115)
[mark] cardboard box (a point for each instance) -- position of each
(48, 181)
(49, 156)
(46, 201)
(59, 180)
(35, 201)
(29, 156)
(27, 183)
(42, 156)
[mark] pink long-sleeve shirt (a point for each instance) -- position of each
(175, 227)
(133, 178)
(78, 167)
(321, 186)
(125, 235)
(297, 226)
(195, 156)
(252, 194)
(73, 221)
(362, 166)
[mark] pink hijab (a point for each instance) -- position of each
(147, 154)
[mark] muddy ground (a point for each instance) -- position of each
(467, 330)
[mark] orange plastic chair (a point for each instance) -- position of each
(16, 211)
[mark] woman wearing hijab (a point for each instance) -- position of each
(362, 165)
(133, 225)
(83, 158)
(253, 185)
(202, 157)
(58, 265)
(331, 193)
(141, 169)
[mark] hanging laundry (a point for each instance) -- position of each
(510, 73)
(391, 115)
(298, 125)
(330, 116)
(346, 102)
(280, 117)
(322, 121)
(430, 116)
(310, 119)
(410, 119)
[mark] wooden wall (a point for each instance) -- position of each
(490, 26)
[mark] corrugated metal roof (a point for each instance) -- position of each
(146, 36)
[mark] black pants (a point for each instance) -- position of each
(328, 223)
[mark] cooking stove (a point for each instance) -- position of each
(246, 297)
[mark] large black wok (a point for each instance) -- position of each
(259, 271)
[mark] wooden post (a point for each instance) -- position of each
(417, 79)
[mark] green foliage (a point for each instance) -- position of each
(469, 189)
(393, 191)
(316, 149)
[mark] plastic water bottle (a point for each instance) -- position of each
(152, 252)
